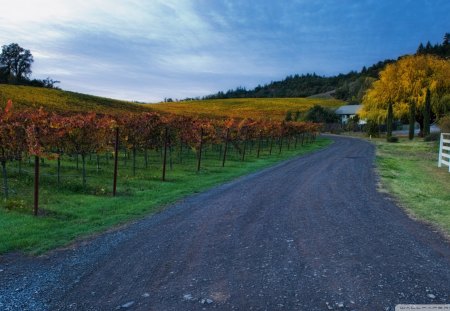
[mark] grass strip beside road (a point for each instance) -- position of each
(72, 213)
(409, 171)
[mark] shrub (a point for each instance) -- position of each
(444, 123)
(392, 139)
(432, 137)
(99, 190)
(15, 204)
(372, 129)
(334, 128)
(353, 125)
(321, 114)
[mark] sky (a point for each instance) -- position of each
(148, 50)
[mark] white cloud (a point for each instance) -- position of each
(72, 41)
(150, 45)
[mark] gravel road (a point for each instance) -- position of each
(312, 233)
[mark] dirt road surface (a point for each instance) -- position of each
(312, 233)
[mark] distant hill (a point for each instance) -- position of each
(348, 87)
(63, 101)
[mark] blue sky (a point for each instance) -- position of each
(149, 50)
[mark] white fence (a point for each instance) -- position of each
(444, 150)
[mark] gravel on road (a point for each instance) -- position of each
(312, 233)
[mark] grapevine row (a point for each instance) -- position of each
(40, 134)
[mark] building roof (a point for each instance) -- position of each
(348, 109)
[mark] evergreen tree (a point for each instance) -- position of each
(428, 47)
(389, 121)
(427, 114)
(446, 39)
(412, 120)
(420, 49)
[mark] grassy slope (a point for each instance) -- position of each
(274, 108)
(409, 171)
(57, 100)
(71, 212)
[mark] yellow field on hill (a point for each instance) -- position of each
(60, 101)
(256, 108)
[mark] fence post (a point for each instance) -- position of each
(226, 147)
(36, 180)
(5, 179)
(281, 143)
(271, 144)
(259, 144)
(116, 158)
(166, 134)
(36, 185)
(444, 151)
(245, 144)
(200, 150)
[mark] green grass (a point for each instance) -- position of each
(256, 108)
(71, 212)
(409, 171)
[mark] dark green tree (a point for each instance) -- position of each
(288, 116)
(427, 114)
(420, 49)
(446, 39)
(320, 114)
(15, 62)
(412, 120)
(428, 47)
(389, 121)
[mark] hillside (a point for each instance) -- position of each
(263, 108)
(349, 87)
(62, 101)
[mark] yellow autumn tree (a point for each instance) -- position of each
(405, 83)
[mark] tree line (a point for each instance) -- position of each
(441, 50)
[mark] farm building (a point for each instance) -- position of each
(347, 112)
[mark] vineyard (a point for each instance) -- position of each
(26, 97)
(61, 166)
(257, 108)
(52, 100)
